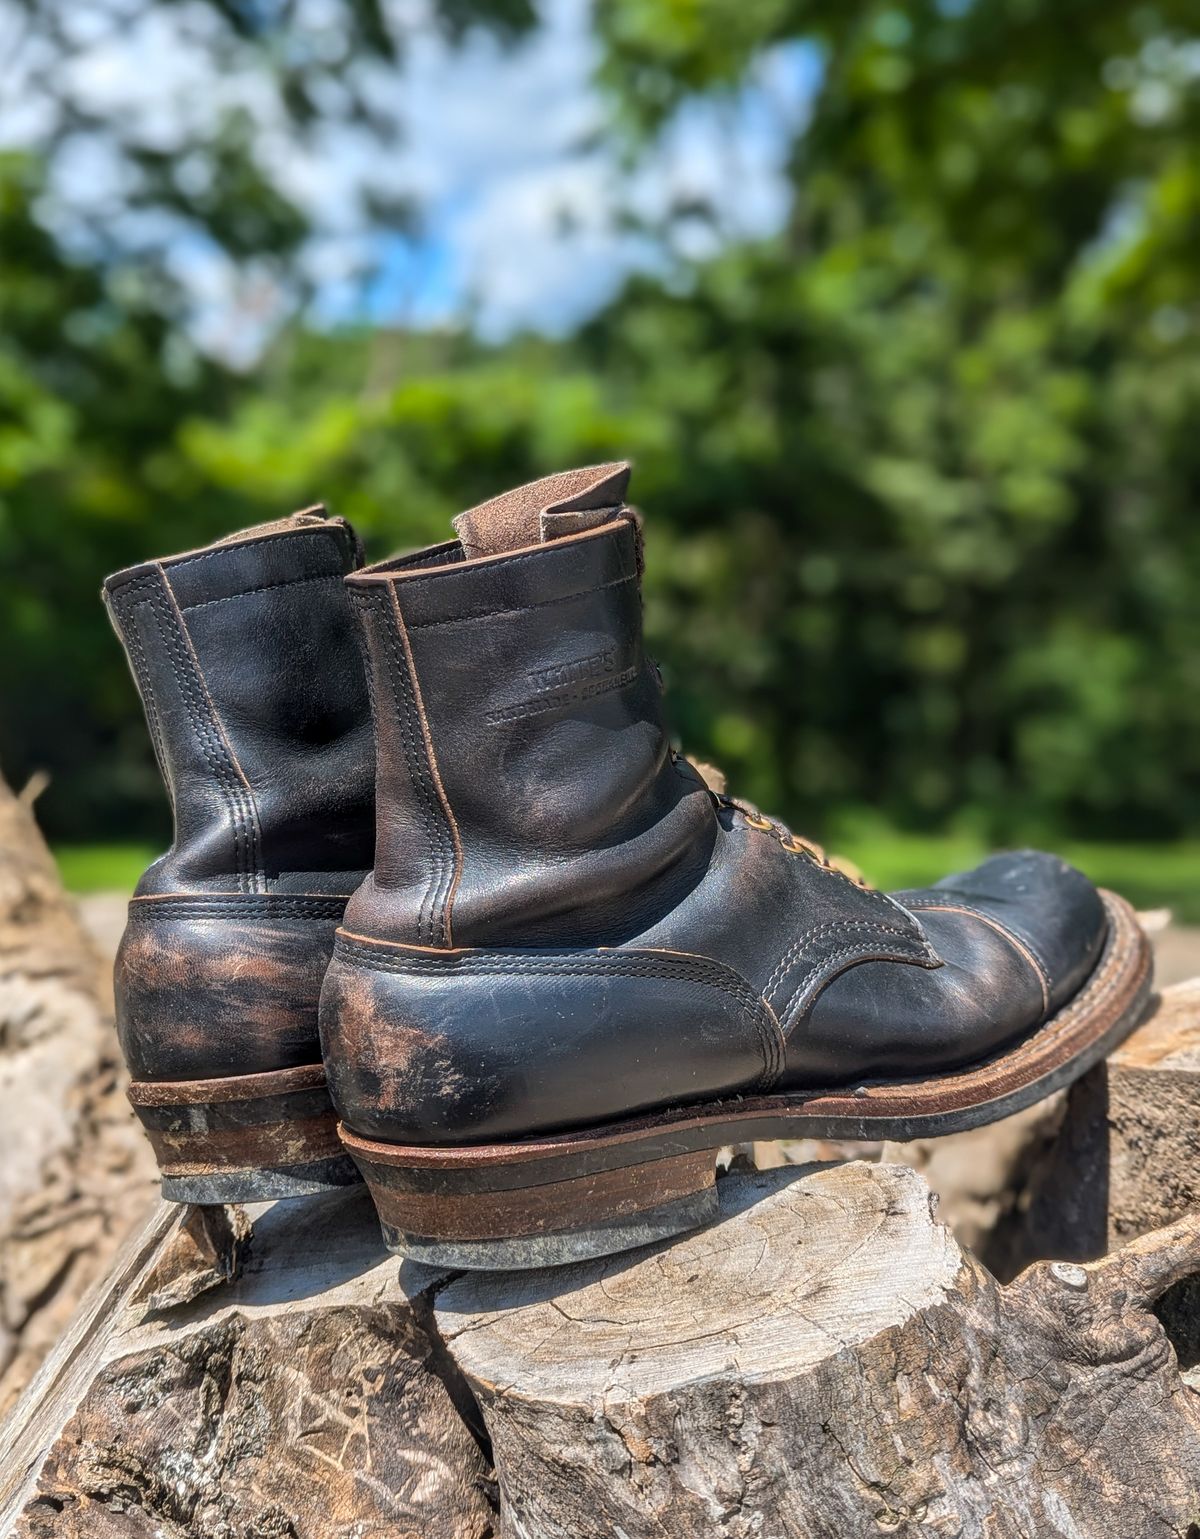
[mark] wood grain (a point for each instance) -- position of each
(1127, 1158)
(302, 1397)
(827, 1363)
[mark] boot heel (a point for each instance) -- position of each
(503, 1207)
(247, 1138)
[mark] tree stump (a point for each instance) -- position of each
(827, 1362)
(75, 1163)
(824, 1362)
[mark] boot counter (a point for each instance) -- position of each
(423, 1047)
(222, 985)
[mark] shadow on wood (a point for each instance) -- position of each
(824, 1362)
(1127, 1156)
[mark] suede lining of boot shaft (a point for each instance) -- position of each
(544, 510)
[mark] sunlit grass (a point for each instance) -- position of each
(103, 867)
(1149, 875)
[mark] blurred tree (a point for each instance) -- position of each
(921, 470)
(948, 420)
(209, 163)
(94, 384)
(99, 371)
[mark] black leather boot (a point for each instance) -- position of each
(247, 661)
(576, 972)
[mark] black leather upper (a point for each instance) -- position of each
(565, 925)
(1017, 937)
(247, 662)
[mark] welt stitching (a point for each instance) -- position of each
(233, 911)
(286, 582)
(864, 949)
(520, 609)
(793, 954)
(333, 531)
(969, 908)
(240, 903)
(210, 744)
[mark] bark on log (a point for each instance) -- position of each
(75, 1165)
(249, 1385)
(824, 1363)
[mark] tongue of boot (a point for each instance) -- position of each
(544, 510)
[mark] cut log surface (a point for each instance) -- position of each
(824, 1362)
(827, 1362)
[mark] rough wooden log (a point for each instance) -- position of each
(1127, 1156)
(75, 1165)
(827, 1363)
(234, 1384)
(824, 1363)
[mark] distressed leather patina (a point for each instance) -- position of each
(565, 925)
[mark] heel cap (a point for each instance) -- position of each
(526, 1252)
(264, 1185)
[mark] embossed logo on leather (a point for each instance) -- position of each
(568, 683)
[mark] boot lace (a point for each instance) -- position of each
(794, 844)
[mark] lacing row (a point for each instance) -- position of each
(794, 844)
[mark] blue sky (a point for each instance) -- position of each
(503, 151)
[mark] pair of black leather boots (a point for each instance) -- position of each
(444, 908)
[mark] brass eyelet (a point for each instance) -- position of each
(755, 821)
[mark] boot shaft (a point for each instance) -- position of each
(246, 660)
(526, 791)
(563, 922)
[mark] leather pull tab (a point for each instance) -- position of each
(544, 510)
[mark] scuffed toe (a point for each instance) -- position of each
(1045, 904)
(1017, 937)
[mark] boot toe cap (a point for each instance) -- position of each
(1017, 937)
(1045, 905)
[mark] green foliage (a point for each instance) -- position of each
(86, 868)
(94, 386)
(920, 472)
(951, 408)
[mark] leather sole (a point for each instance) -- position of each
(245, 1138)
(602, 1189)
